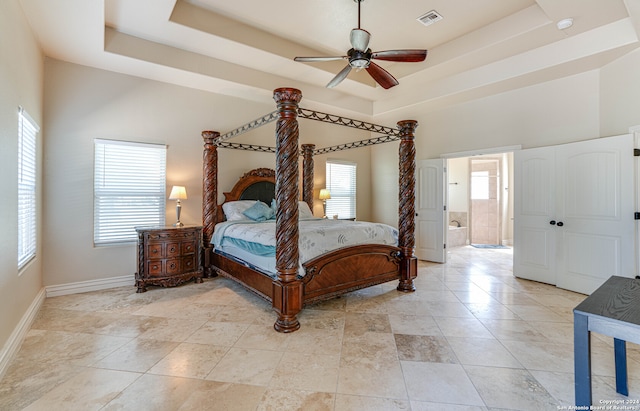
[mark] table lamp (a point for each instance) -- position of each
(178, 193)
(324, 196)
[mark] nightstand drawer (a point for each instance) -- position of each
(155, 250)
(155, 267)
(172, 250)
(173, 266)
(189, 263)
(188, 247)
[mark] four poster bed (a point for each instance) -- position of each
(292, 282)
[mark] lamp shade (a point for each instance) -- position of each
(178, 193)
(324, 194)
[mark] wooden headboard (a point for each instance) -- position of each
(257, 184)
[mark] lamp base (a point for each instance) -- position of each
(178, 209)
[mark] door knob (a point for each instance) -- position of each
(560, 223)
(552, 222)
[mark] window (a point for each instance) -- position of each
(479, 185)
(341, 183)
(129, 189)
(27, 132)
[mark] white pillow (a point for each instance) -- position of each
(233, 210)
(303, 210)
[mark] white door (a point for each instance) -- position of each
(534, 204)
(430, 212)
(573, 209)
(596, 195)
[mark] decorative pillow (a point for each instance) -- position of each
(274, 208)
(233, 209)
(259, 212)
(303, 210)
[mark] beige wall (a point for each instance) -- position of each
(83, 103)
(20, 85)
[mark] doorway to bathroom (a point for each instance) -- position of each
(480, 202)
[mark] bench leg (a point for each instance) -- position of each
(620, 349)
(582, 359)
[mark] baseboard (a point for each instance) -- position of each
(90, 285)
(12, 346)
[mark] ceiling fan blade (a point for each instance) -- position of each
(381, 76)
(315, 59)
(405, 56)
(360, 39)
(339, 77)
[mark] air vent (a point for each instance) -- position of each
(430, 18)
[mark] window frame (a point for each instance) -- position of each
(27, 190)
(121, 203)
(343, 201)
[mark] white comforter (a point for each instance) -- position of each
(317, 236)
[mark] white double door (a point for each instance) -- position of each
(574, 213)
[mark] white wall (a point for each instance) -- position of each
(620, 95)
(84, 103)
(20, 85)
(458, 172)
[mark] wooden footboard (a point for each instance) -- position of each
(327, 276)
(349, 269)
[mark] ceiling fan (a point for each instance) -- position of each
(360, 56)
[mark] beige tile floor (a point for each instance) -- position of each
(472, 337)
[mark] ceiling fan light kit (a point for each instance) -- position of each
(360, 56)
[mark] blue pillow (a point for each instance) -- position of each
(273, 208)
(259, 212)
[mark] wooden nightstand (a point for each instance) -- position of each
(168, 256)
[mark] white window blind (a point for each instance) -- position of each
(27, 132)
(129, 189)
(341, 183)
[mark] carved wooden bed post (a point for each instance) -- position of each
(287, 290)
(209, 197)
(407, 208)
(307, 174)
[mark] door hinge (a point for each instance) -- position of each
(636, 216)
(445, 246)
(445, 208)
(636, 152)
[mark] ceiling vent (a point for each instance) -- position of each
(430, 18)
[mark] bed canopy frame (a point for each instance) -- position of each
(287, 292)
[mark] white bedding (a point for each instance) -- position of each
(317, 236)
